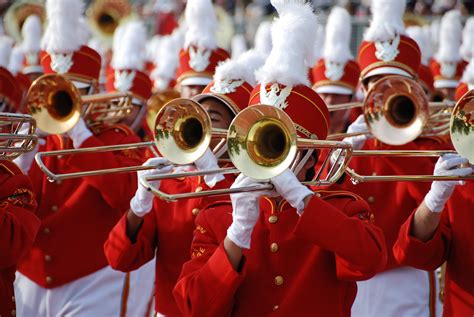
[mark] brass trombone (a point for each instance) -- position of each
(397, 111)
(182, 134)
(17, 14)
(262, 143)
(57, 105)
(17, 135)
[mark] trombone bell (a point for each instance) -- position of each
(396, 110)
(462, 126)
(262, 141)
(183, 131)
(54, 102)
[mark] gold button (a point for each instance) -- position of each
(46, 231)
(371, 199)
(318, 195)
(60, 157)
(274, 247)
(374, 174)
(195, 211)
(116, 130)
(13, 312)
(49, 280)
(279, 280)
(199, 189)
(273, 219)
(48, 258)
(275, 307)
(54, 208)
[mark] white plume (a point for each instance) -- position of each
(167, 58)
(387, 20)
(263, 38)
(15, 64)
(242, 68)
(450, 37)
(338, 36)
(152, 47)
(293, 45)
(468, 75)
(6, 44)
(467, 47)
(418, 34)
(31, 33)
(434, 34)
(131, 52)
(318, 44)
(63, 33)
(201, 24)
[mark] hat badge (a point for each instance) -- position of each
(124, 80)
(61, 63)
(387, 51)
(334, 71)
(275, 96)
(226, 86)
(448, 69)
(199, 58)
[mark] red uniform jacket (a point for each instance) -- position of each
(18, 228)
(168, 231)
(393, 202)
(297, 266)
(78, 214)
(452, 242)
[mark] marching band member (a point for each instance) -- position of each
(298, 254)
(200, 54)
(12, 94)
(155, 226)
(66, 272)
(336, 75)
(18, 223)
(436, 231)
(385, 51)
(447, 65)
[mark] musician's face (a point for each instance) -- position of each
(338, 118)
(220, 115)
(189, 91)
(448, 93)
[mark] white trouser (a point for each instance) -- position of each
(403, 292)
(97, 294)
(142, 291)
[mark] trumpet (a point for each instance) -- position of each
(57, 105)
(182, 133)
(17, 135)
(397, 111)
(262, 143)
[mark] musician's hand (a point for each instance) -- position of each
(358, 126)
(79, 133)
(447, 165)
(142, 202)
(206, 162)
(290, 188)
(245, 212)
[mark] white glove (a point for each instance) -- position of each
(79, 133)
(206, 162)
(358, 126)
(447, 165)
(290, 188)
(245, 212)
(142, 202)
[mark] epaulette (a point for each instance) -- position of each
(115, 127)
(327, 194)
